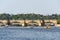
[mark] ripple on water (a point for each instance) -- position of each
(29, 34)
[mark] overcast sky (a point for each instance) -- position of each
(30, 6)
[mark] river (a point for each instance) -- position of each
(17, 33)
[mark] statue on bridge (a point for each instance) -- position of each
(43, 23)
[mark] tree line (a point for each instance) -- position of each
(31, 16)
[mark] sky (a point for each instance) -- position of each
(30, 6)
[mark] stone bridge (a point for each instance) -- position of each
(27, 21)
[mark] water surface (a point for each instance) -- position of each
(18, 33)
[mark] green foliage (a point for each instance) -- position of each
(31, 16)
(58, 19)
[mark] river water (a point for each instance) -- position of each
(18, 33)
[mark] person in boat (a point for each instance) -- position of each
(47, 26)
